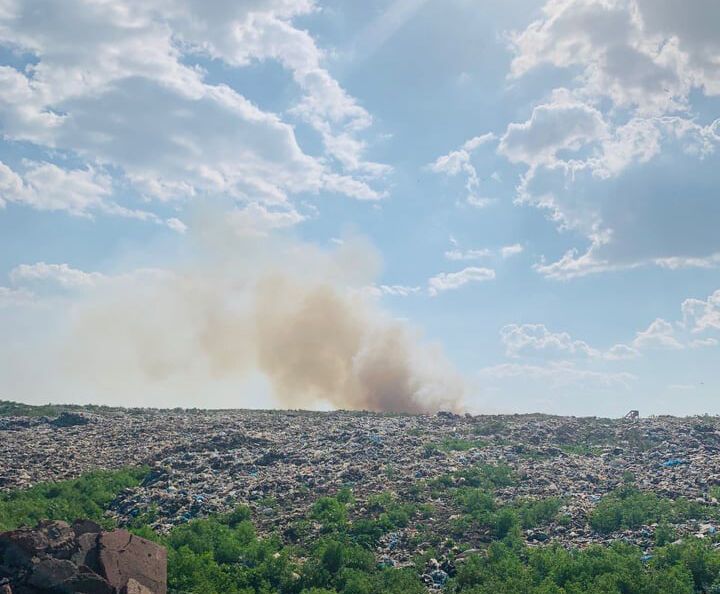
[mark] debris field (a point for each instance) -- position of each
(280, 462)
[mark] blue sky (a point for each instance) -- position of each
(525, 191)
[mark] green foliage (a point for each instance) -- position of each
(330, 512)
(211, 557)
(455, 444)
(223, 554)
(240, 514)
(618, 569)
(85, 497)
(506, 522)
(628, 507)
(18, 409)
(385, 514)
(581, 449)
(487, 476)
(536, 512)
(481, 509)
(664, 534)
(345, 496)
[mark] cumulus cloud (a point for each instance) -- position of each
(114, 83)
(563, 125)
(48, 187)
(62, 274)
(701, 315)
(629, 115)
(698, 318)
(659, 334)
(460, 162)
(638, 53)
(448, 281)
(80, 192)
(529, 339)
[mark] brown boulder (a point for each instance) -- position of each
(87, 581)
(124, 556)
(81, 527)
(87, 551)
(50, 573)
(60, 538)
(29, 542)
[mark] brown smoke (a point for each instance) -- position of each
(296, 316)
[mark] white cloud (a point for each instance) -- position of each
(460, 161)
(113, 83)
(448, 281)
(528, 339)
(562, 125)
(459, 255)
(619, 352)
(699, 315)
(701, 343)
(640, 65)
(573, 264)
(176, 225)
(257, 219)
(659, 334)
(48, 187)
(511, 250)
(639, 53)
(518, 339)
(675, 263)
(391, 290)
(62, 274)
(80, 192)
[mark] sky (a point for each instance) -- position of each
(527, 191)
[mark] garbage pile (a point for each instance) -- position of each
(60, 558)
(280, 462)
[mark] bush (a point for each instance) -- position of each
(596, 570)
(454, 444)
(537, 512)
(330, 512)
(86, 497)
(628, 507)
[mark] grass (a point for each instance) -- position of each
(455, 444)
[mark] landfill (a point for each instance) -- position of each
(280, 462)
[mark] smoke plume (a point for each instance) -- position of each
(300, 318)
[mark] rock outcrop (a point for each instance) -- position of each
(57, 558)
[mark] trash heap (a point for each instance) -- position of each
(56, 557)
(280, 462)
